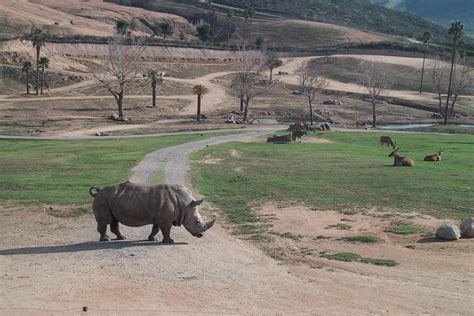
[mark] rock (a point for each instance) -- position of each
(448, 231)
(467, 228)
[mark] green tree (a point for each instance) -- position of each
(154, 77)
(26, 67)
(166, 29)
(259, 41)
(273, 62)
(425, 38)
(121, 27)
(199, 90)
(38, 39)
(203, 32)
(44, 63)
(456, 31)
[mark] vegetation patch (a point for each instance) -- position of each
(287, 235)
(363, 239)
(339, 226)
(353, 257)
(404, 228)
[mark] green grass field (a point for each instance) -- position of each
(61, 172)
(353, 172)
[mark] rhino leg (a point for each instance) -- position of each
(102, 229)
(165, 229)
(114, 227)
(155, 230)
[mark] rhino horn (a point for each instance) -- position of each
(209, 224)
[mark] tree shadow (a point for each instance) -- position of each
(85, 246)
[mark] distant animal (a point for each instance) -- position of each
(279, 139)
(435, 157)
(401, 161)
(295, 135)
(137, 205)
(386, 140)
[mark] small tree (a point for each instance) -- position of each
(38, 38)
(457, 32)
(199, 90)
(425, 38)
(26, 67)
(166, 29)
(259, 41)
(121, 27)
(375, 81)
(310, 85)
(154, 77)
(462, 80)
(203, 32)
(273, 62)
(44, 63)
(439, 76)
(120, 67)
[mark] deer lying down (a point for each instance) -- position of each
(434, 157)
(401, 161)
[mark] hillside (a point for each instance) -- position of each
(439, 11)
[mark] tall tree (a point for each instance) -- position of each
(249, 14)
(273, 62)
(154, 77)
(462, 80)
(457, 31)
(439, 76)
(44, 63)
(375, 81)
(26, 67)
(122, 65)
(425, 38)
(199, 90)
(230, 14)
(310, 85)
(38, 39)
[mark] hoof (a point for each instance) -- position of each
(168, 241)
(106, 238)
(121, 237)
(152, 238)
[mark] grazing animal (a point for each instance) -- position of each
(434, 157)
(401, 161)
(386, 140)
(295, 135)
(137, 205)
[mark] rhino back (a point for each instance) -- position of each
(137, 205)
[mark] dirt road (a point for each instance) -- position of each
(50, 264)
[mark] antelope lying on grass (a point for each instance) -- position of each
(434, 157)
(386, 140)
(401, 161)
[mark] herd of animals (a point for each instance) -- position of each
(401, 161)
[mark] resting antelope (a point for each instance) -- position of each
(435, 157)
(386, 140)
(401, 161)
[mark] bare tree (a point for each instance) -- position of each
(375, 81)
(439, 77)
(246, 84)
(120, 67)
(310, 85)
(461, 82)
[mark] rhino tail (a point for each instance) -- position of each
(93, 191)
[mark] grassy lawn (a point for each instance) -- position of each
(353, 172)
(61, 172)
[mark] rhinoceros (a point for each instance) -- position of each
(137, 205)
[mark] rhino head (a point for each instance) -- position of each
(193, 222)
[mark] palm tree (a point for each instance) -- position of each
(230, 15)
(154, 77)
(44, 63)
(199, 90)
(457, 31)
(273, 62)
(249, 14)
(425, 38)
(27, 66)
(38, 38)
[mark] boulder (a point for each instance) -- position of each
(467, 228)
(448, 231)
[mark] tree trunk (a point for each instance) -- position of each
(271, 74)
(422, 71)
(246, 111)
(198, 108)
(38, 48)
(449, 86)
(153, 86)
(241, 104)
(120, 106)
(451, 111)
(27, 82)
(42, 78)
(374, 118)
(311, 111)
(440, 100)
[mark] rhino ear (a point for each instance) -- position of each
(196, 203)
